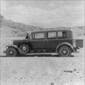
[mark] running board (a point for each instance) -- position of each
(42, 54)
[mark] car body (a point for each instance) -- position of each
(57, 41)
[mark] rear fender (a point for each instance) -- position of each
(67, 44)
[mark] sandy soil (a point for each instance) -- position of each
(42, 70)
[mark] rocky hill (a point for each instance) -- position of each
(15, 27)
(20, 28)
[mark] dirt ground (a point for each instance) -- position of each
(43, 70)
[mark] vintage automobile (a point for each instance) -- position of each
(60, 42)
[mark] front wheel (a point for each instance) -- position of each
(11, 51)
(64, 51)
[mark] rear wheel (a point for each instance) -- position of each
(24, 49)
(64, 51)
(11, 51)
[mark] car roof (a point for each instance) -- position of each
(48, 31)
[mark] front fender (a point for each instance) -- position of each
(14, 46)
(10, 46)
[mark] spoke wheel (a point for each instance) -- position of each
(64, 51)
(24, 49)
(11, 51)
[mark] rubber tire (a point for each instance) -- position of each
(63, 49)
(12, 50)
(21, 51)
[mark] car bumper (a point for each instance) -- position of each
(76, 49)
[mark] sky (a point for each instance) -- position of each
(44, 13)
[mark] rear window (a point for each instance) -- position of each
(62, 34)
(39, 35)
(51, 34)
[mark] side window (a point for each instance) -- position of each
(39, 35)
(51, 34)
(60, 34)
(65, 34)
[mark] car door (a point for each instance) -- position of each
(51, 40)
(39, 40)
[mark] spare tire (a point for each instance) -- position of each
(24, 49)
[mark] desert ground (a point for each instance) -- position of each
(42, 70)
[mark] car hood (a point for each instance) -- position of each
(15, 42)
